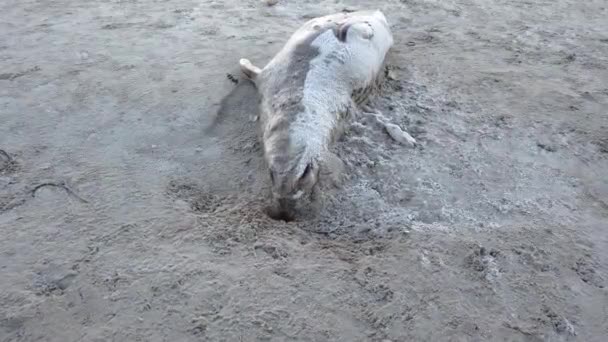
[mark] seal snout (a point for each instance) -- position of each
(282, 209)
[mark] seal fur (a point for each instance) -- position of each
(326, 68)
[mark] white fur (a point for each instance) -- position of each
(298, 195)
(328, 87)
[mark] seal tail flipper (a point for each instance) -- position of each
(364, 29)
(341, 31)
(250, 70)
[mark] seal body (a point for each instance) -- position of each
(308, 89)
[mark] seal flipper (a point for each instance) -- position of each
(341, 31)
(363, 28)
(333, 170)
(250, 70)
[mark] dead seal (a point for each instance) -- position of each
(308, 90)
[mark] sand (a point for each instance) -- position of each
(132, 188)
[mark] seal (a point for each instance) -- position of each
(308, 90)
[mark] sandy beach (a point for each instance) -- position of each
(132, 183)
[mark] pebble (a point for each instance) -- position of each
(399, 135)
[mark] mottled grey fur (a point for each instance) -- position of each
(294, 162)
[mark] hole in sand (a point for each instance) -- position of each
(280, 215)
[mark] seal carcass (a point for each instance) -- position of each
(308, 89)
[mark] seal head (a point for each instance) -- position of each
(294, 172)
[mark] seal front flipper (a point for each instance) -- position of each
(332, 170)
(250, 70)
